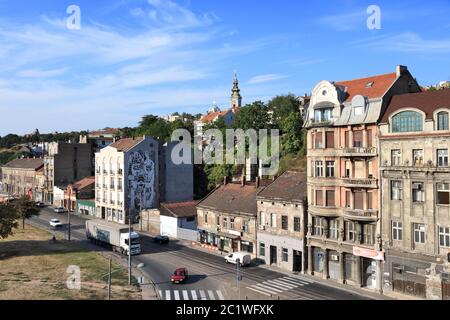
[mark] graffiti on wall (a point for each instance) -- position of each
(141, 180)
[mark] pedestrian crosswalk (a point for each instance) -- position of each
(191, 295)
(279, 285)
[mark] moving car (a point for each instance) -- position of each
(179, 276)
(244, 258)
(60, 210)
(55, 223)
(161, 239)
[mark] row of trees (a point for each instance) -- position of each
(12, 140)
(10, 213)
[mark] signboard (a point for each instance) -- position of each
(368, 253)
(234, 233)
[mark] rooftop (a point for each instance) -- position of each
(27, 163)
(291, 186)
(126, 144)
(179, 209)
(370, 87)
(83, 183)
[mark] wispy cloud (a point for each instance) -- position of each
(36, 73)
(345, 21)
(266, 78)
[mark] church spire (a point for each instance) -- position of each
(236, 98)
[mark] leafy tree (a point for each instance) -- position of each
(282, 106)
(291, 140)
(8, 220)
(155, 127)
(253, 116)
(216, 173)
(26, 209)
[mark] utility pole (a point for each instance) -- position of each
(129, 249)
(109, 280)
(68, 215)
(238, 276)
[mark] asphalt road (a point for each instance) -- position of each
(210, 278)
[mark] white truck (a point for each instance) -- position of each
(113, 235)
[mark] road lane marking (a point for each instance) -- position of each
(167, 294)
(282, 285)
(220, 295)
(194, 295)
(259, 291)
(270, 288)
(160, 294)
(185, 295)
(176, 295)
(295, 280)
(202, 295)
(211, 295)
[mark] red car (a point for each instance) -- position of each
(179, 276)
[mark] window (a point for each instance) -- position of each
(334, 228)
(358, 139)
(329, 139)
(418, 157)
(330, 169)
(368, 237)
(318, 140)
(370, 200)
(262, 249)
(419, 233)
(444, 237)
(297, 224)
(206, 217)
(407, 121)
(322, 115)
(396, 157)
(232, 223)
(284, 223)
(442, 121)
(317, 226)
(319, 169)
(397, 230)
(225, 223)
(348, 199)
(359, 110)
(350, 230)
(319, 198)
(358, 200)
(218, 220)
(442, 156)
(396, 190)
(273, 220)
(330, 198)
(369, 138)
(285, 255)
(418, 192)
(443, 193)
(262, 219)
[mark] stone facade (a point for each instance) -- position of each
(20, 177)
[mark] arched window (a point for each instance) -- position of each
(407, 121)
(442, 120)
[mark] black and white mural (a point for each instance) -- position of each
(141, 180)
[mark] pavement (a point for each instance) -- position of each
(210, 278)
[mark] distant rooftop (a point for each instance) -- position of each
(27, 163)
(126, 144)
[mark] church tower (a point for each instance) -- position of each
(236, 98)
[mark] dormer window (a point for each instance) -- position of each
(370, 84)
(359, 110)
(407, 121)
(322, 115)
(442, 120)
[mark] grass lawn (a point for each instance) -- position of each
(32, 267)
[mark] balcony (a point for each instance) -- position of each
(361, 215)
(120, 171)
(324, 211)
(112, 172)
(359, 182)
(359, 152)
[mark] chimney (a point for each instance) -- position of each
(243, 181)
(401, 70)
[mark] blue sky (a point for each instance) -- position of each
(137, 57)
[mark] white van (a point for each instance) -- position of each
(244, 258)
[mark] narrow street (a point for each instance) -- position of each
(210, 278)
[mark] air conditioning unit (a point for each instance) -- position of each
(334, 257)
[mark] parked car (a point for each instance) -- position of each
(244, 258)
(161, 239)
(39, 204)
(60, 210)
(55, 223)
(179, 276)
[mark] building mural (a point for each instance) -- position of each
(141, 180)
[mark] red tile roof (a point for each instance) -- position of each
(126, 144)
(83, 183)
(179, 209)
(291, 186)
(109, 131)
(381, 84)
(428, 102)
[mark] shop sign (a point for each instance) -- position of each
(368, 253)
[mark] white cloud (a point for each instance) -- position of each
(36, 73)
(266, 78)
(345, 22)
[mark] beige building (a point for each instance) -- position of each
(414, 146)
(20, 177)
(281, 233)
(344, 229)
(227, 217)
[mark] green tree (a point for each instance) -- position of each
(292, 140)
(26, 209)
(216, 173)
(8, 220)
(282, 106)
(253, 116)
(155, 127)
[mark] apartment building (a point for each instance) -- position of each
(227, 217)
(65, 163)
(415, 173)
(344, 230)
(80, 190)
(126, 177)
(282, 208)
(19, 177)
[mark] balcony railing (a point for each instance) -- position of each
(120, 171)
(363, 215)
(360, 151)
(325, 211)
(359, 182)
